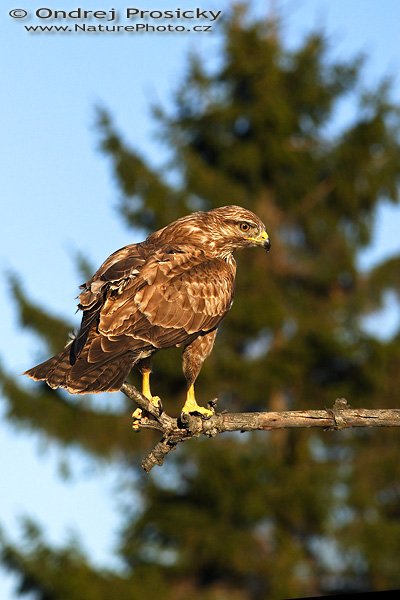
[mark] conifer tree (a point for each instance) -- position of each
(266, 515)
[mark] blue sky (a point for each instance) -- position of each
(58, 196)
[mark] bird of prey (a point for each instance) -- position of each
(173, 289)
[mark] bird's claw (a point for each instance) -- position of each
(156, 402)
(197, 411)
(137, 417)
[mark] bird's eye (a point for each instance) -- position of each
(244, 226)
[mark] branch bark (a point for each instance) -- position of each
(175, 431)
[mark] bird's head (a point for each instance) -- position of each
(219, 231)
(233, 227)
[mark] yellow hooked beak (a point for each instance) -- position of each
(262, 240)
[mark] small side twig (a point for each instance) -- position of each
(175, 431)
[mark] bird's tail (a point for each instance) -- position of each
(83, 376)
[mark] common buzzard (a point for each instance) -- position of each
(173, 289)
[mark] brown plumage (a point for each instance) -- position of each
(173, 289)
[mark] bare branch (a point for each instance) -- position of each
(175, 431)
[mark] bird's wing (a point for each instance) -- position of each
(121, 266)
(178, 292)
(110, 279)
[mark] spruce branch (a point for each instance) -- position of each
(175, 431)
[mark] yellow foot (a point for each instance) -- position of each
(191, 407)
(156, 400)
(136, 416)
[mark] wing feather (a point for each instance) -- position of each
(186, 291)
(152, 297)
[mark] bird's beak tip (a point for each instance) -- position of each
(267, 245)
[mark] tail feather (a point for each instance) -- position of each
(84, 377)
(53, 370)
(108, 376)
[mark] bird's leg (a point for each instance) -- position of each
(191, 405)
(194, 355)
(144, 367)
(146, 391)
